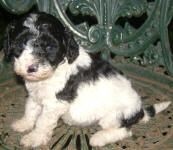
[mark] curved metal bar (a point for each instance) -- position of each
(170, 15)
(145, 25)
(131, 51)
(167, 55)
(17, 6)
(67, 21)
(43, 5)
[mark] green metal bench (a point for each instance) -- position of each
(131, 34)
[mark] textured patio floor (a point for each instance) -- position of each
(157, 134)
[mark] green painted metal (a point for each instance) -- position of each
(17, 6)
(109, 37)
(167, 55)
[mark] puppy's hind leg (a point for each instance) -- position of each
(112, 131)
(110, 135)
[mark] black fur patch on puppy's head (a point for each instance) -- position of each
(50, 40)
(39, 43)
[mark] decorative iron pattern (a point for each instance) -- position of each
(147, 45)
(108, 37)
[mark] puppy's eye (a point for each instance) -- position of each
(49, 48)
(21, 45)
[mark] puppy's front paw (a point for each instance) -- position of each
(34, 139)
(98, 139)
(21, 125)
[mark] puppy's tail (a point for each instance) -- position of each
(150, 111)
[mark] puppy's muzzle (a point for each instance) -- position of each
(32, 68)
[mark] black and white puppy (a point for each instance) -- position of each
(65, 81)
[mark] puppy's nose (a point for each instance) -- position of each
(32, 68)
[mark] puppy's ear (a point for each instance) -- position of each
(7, 39)
(72, 48)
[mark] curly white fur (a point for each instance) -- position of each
(43, 109)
